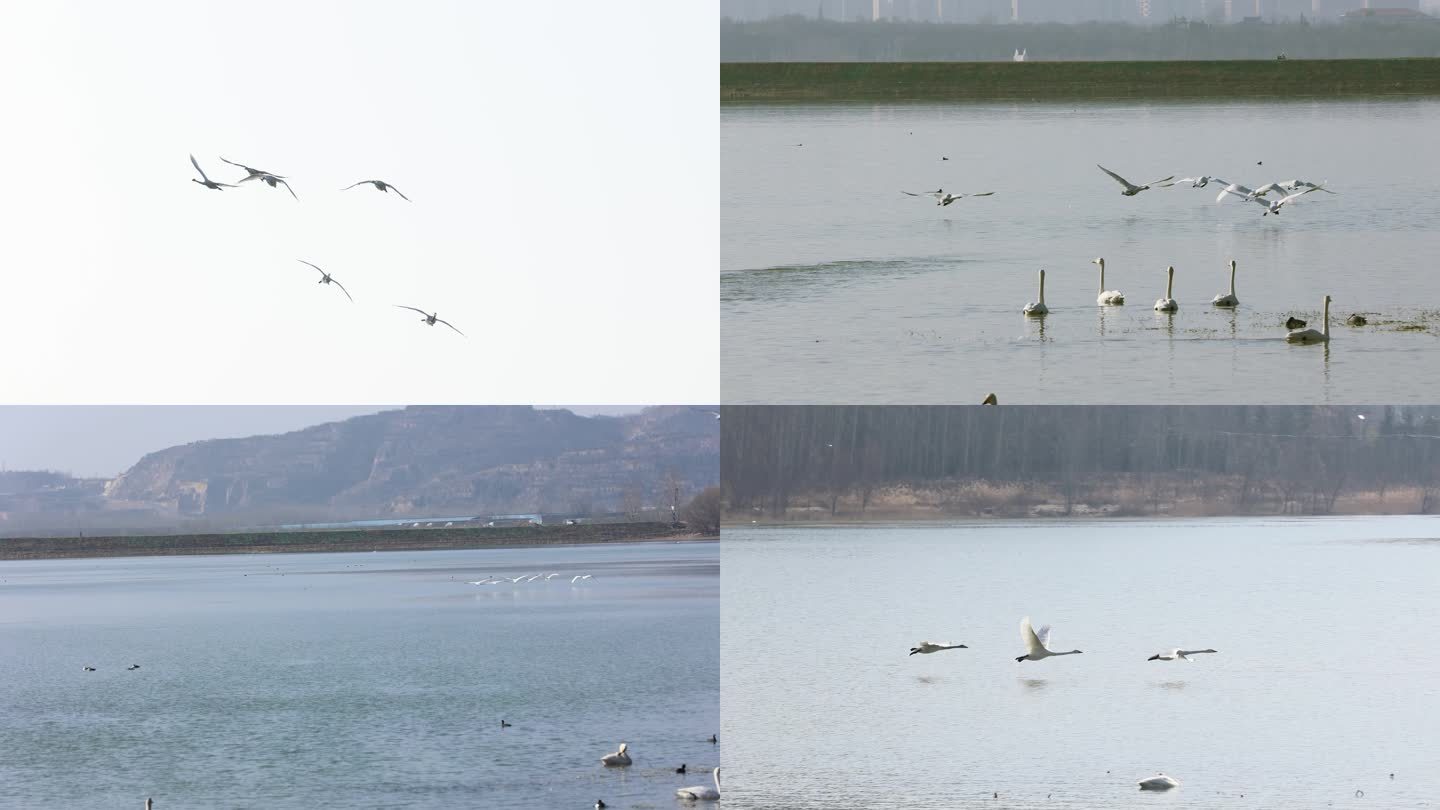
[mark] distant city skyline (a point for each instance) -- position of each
(1062, 11)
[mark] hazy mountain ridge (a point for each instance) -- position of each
(429, 458)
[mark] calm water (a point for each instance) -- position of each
(359, 680)
(1327, 677)
(837, 288)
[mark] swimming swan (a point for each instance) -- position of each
(619, 758)
(1168, 304)
(1160, 782)
(927, 647)
(703, 793)
(1310, 335)
(1038, 310)
(1107, 297)
(1228, 300)
(1176, 655)
(1035, 642)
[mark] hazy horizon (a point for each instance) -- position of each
(102, 441)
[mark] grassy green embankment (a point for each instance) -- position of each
(38, 548)
(959, 81)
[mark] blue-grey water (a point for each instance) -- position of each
(359, 680)
(1326, 679)
(835, 287)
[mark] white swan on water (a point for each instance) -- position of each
(619, 758)
(703, 793)
(1107, 297)
(1034, 309)
(1168, 303)
(1310, 335)
(1158, 782)
(1176, 655)
(928, 647)
(1035, 642)
(1228, 300)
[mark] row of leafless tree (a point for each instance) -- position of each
(1254, 458)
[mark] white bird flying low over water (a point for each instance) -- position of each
(1256, 196)
(945, 198)
(576, 579)
(1199, 182)
(1310, 335)
(206, 181)
(928, 647)
(617, 759)
(1176, 655)
(1107, 298)
(326, 278)
(703, 793)
(1158, 782)
(1035, 643)
(1130, 188)
(431, 319)
(380, 184)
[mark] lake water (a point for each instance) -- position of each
(835, 287)
(359, 680)
(1326, 680)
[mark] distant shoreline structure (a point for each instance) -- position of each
(1071, 80)
(460, 538)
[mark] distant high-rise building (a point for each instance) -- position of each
(1015, 10)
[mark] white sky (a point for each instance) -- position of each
(563, 161)
(105, 440)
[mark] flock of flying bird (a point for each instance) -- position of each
(274, 180)
(523, 578)
(1293, 189)
(1037, 648)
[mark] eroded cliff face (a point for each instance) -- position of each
(424, 459)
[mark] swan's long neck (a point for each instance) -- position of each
(1072, 652)
(716, 774)
(1232, 279)
(1102, 274)
(1042, 286)
(1170, 283)
(1325, 321)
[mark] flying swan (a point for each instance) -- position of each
(1168, 304)
(1229, 300)
(1176, 655)
(431, 319)
(1035, 642)
(1107, 297)
(206, 181)
(1038, 310)
(326, 278)
(1130, 188)
(703, 793)
(380, 184)
(928, 647)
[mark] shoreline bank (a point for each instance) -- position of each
(1062, 81)
(343, 541)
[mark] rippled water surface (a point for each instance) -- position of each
(838, 288)
(358, 680)
(1325, 683)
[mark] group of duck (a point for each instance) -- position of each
(694, 793)
(274, 180)
(1037, 648)
(1110, 298)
